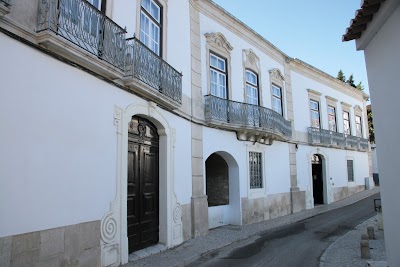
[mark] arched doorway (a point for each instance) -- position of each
(318, 179)
(143, 184)
(222, 190)
(217, 181)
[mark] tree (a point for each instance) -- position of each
(370, 126)
(360, 86)
(341, 76)
(350, 81)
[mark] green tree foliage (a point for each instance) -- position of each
(350, 81)
(341, 76)
(371, 126)
(360, 86)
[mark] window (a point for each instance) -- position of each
(346, 123)
(358, 126)
(332, 119)
(218, 76)
(350, 170)
(277, 99)
(251, 88)
(314, 106)
(255, 165)
(150, 25)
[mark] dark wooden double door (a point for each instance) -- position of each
(143, 184)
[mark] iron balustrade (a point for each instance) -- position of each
(329, 138)
(363, 143)
(351, 141)
(84, 25)
(243, 114)
(148, 67)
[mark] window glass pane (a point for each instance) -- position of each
(221, 64)
(213, 61)
(146, 4)
(155, 11)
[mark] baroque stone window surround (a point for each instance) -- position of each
(251, 62)
(359, 112)
(276, 78)
(164, 25)
(217, 44)
(316, 96)
(256, 192)
(330, 101)
(346, 108)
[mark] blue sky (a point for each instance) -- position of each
(310, 30)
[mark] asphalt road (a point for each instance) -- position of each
(298, 244)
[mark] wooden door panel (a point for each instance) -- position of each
(143, 185)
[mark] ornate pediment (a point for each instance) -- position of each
(276, 74)
(219, 40)
(357, 108)
(251, 60)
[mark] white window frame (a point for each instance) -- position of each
(318, 110)
(154, 23)
(220, 73)
(252, 89)
(256, 192)
(332, 129)
(279, 98)
(359, 129)
(347, 171)
(346, 120)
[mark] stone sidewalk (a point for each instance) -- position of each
(193, 249)
(345, 251)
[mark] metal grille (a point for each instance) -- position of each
(148, 67)
(350, 170)
(242, 114)
(84, 25)
(255, 170)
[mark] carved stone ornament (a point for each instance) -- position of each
(357, 108)
(251, 60)
(108, 228)
(219, 40)
(276, 74)
(177, 214)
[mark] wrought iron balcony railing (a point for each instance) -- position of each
(146, 66)
(225, 111)
(329, 138)
(84, 25)
(6, 2)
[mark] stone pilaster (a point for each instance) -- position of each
(296, 197)
(199, 207)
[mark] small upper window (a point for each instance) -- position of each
(358, 126)
(218, 75)
(277, 99)
(314, 106)
(332, 118)
(150, 25)
(251, 88)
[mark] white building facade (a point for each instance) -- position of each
(129, 125)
